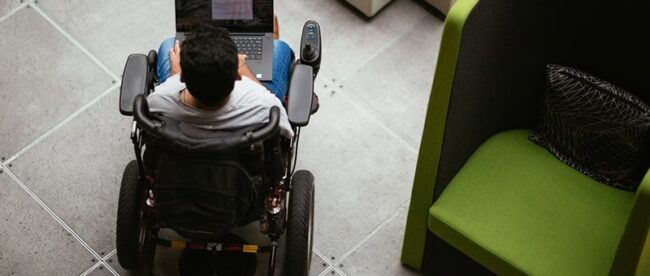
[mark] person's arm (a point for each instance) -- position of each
(173, 82)
(244, 70)
(175, 59)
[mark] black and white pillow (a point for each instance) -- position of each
(595, 127)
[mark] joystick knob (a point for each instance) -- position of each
(308, 52)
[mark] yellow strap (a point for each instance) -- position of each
(178, 244)
(250, 248)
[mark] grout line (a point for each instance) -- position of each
(339, 271)
(110, 268)
(108, 265)
(330, 269)
(322, 256)
(75, 42)
(371, 114)
(379, 122)
(61, 124)
(329, 264)
(91, 269)
(58, 219)
(371, 234)
(4, 17)
(327, 269)
(110, 254)
(379, 51)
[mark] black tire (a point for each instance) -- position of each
(300, 225)
(133, 237)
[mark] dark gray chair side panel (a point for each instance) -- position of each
(497, 81)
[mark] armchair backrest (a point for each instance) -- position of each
(499, 73)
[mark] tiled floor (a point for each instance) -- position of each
(63, 144)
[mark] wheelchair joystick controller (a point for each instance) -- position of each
(310, 45)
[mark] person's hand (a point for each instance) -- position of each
(242, 61)
(175, 58)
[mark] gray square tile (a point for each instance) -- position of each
(31, 241)
(362, 173)
(380, 255)
(7, 6)
(111, 30)
(396, 84)
(44, 79)
(349, 40)
(77, 170)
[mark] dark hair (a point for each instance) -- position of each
(209, 64)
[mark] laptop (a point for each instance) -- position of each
(250, 23)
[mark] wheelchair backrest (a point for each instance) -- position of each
(206, 181)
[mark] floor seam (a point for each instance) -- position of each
(372, 233)
(371, 114)
(12, 12)
(56, 218)
(320, 255)
(327, 261)
(110, 254)
(75, 42)
(90, 269)
(380, 50)
(380, 123)
(109, 265)
(331, 83)
(60, 124)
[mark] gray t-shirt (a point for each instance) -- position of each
(249, 103)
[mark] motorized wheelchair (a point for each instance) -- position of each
(200, 183)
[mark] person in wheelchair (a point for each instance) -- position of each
(214, 149)
(210, 86)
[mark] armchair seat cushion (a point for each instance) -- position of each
(516, 209)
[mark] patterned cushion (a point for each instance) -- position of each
(593, 126)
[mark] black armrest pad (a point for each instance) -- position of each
(134, 82)
(300, 94)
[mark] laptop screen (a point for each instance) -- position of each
(234, 15)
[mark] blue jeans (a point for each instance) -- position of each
(282, 62)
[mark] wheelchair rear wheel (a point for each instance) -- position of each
(300, 224)
(135, 249)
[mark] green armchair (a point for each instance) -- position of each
(486, 199)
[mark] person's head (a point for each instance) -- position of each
(209, 64)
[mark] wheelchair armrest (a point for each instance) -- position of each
(301, 90)
(134, 82)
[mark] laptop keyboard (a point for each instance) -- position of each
(249, 45)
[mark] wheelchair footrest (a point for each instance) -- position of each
(214, 246)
